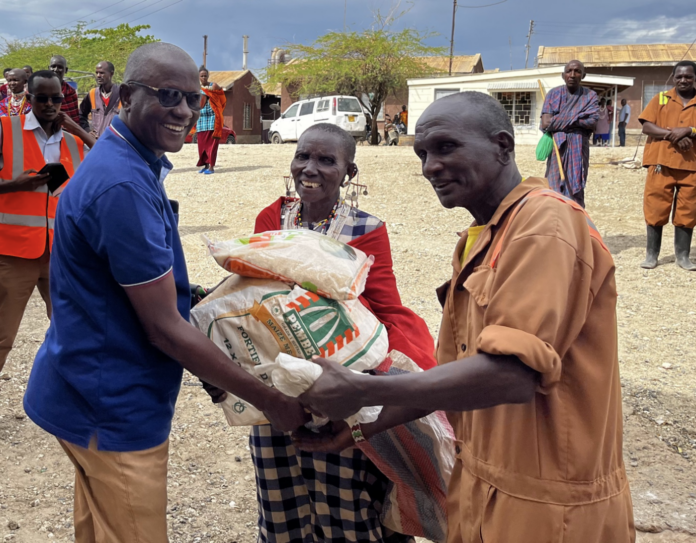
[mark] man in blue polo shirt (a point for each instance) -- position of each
(106, 379)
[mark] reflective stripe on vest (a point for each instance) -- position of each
(27, 217)
(552, 194)
(663, 98)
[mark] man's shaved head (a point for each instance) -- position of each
(19, 73)
(477, 107)
(161, 124)
(143, 61)
(578, 63)
(16, 79)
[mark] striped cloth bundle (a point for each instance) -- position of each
(418, 458)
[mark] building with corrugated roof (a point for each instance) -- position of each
(519, 92)
(649, 64)
(243, 110)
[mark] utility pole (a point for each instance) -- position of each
(454, 18)
(345, 11)
(205, 50)
(529, 38)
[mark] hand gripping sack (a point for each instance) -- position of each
(254, 320)
(311, 260)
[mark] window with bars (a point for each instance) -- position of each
(248, 124)
(652, 89)
(519, 106)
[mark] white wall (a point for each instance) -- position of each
(420, 96)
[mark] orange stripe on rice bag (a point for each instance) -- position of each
(311, 260)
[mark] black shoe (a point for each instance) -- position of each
(682, 247)
(653, 247)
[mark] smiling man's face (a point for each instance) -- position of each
(161, 129)
(457, 154)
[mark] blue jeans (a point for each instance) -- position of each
(622, 134)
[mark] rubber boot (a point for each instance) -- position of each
(682, 247)
(653, 248)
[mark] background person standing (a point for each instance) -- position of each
(59, 66)
(209, 126)
(570, 114)
(102, 102)
(670, 186)
(28, 209)
(17, 101)
(624, 118)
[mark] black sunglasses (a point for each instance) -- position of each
(44, 99)
(173, 97)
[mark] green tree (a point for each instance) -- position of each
(83, 48)
(370, 65)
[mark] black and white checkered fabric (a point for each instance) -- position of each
(315, 497)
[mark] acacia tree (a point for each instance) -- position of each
(82, 47)
(370, 65)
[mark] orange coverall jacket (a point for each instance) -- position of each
(550, 470)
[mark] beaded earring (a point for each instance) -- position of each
(353, 191)
(289, 193)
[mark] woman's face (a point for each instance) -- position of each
(319, 167)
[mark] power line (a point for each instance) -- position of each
(73, 21)
(156, 11)
(97, 23)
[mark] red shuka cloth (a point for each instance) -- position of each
(407, 332)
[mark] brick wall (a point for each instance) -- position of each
(237, 96)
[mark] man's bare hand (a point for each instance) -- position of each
(336, 393)
(676, 134)
(286, 414)
(685, 144)
(64, 121)
(217, 395)
(28, 180)
(332, 438)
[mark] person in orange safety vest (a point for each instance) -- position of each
(27, 208)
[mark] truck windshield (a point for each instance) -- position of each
(350, 105)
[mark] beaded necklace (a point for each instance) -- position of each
(16, 106)
(322, 224)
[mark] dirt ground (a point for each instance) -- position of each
(211, 480)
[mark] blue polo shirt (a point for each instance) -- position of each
(96, 373)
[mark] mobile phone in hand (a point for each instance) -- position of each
(58, 174)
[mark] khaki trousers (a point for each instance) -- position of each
(120, 497)
(18, 277)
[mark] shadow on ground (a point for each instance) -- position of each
(220, 170)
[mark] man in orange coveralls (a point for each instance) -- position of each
(529, 370)
(670, 121)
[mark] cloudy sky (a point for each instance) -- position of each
(498, 32)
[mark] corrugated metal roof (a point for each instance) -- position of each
(656, 54)
(226, 79)
(511, 85)
(274, 90)
(462, 64)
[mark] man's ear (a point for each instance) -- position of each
(352, 170)
(125, 96)
(506, 146)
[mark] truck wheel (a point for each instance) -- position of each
(194, 138)
(231, 140)
(276, 139)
